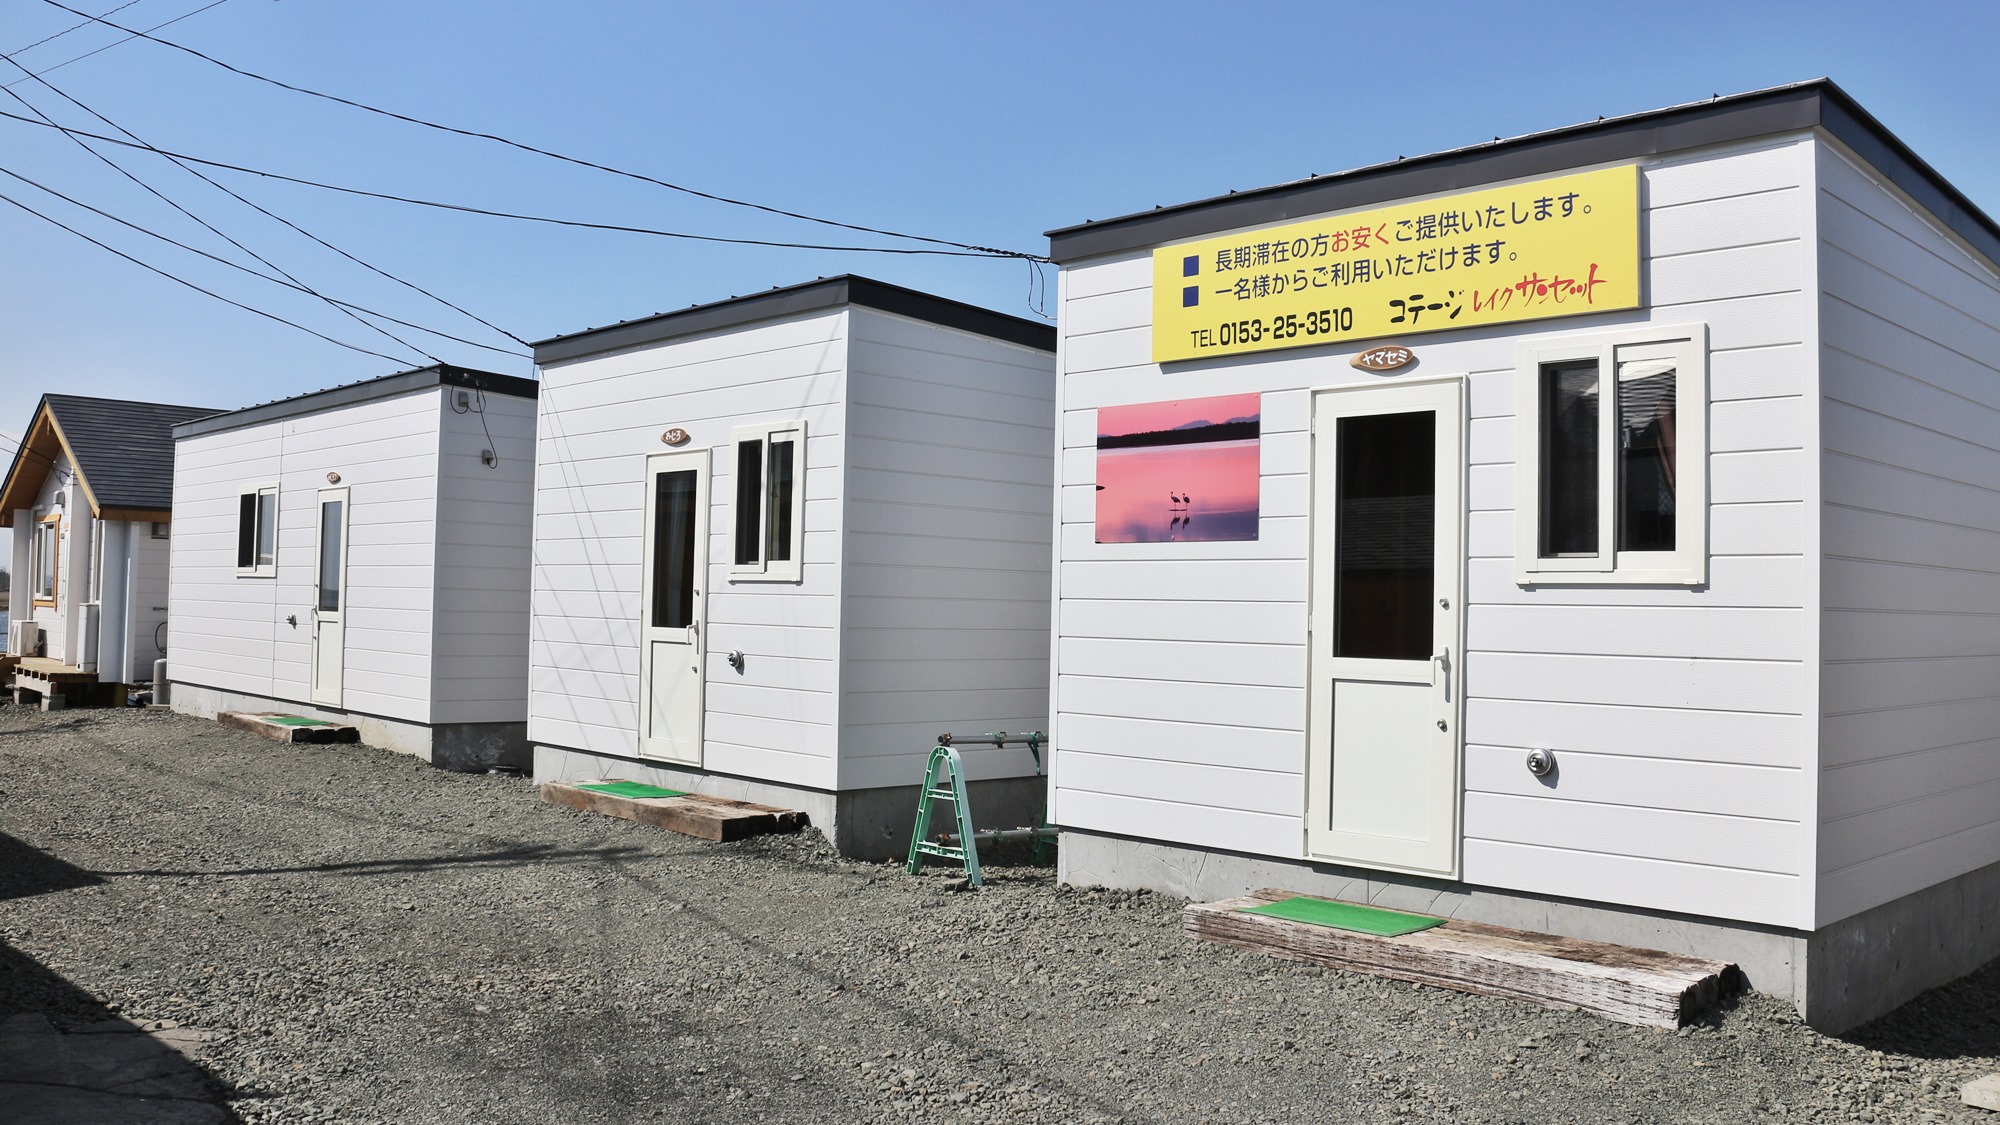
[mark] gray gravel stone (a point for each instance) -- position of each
(359, 938)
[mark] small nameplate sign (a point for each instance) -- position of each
(1386, 358)
(675, 436)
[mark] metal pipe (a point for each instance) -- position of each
(1001, 834)
(994, 738)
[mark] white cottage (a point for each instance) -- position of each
(783, 541)
(89, 497)
(1618, 554)
(361, 554)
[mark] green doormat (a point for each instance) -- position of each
(1346, 916)
(294, 721)
(632, 789)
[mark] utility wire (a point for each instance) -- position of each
(225, 189)
(289, 280)
(134, 35)
(74, 27)
(988, 251)
(343, 306)
(199, 289)
(469, 210)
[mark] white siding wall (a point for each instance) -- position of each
(1910, 788)
(231, 632)
(479, 672)
(54, 619)
(1181, 689)
(946, 614)
(600, 417)
(148, 610)
(225, 627)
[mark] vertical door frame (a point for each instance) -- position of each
(315, 691)
(681, 460)
(1453, 473)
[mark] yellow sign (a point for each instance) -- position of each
(1550, 248)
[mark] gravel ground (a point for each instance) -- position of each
(371, 940)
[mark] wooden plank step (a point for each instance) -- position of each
(265, 724)
(706, 818)
(1637, 986)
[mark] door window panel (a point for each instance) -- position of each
(1385, 530)
(673, 549)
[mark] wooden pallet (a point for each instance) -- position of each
(1637, 986)
(707, 818)
(261, 724)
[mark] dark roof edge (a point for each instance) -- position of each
(1740, 117)
(792, 300)
(403, 382)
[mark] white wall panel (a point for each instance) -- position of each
(1909, 789)
(1680, 706)
(600, 416)
(950, 516)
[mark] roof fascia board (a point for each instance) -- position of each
(1790, 109)
(388, 386)
(33, 460)
(797, 300)
(138, 515)
(76, 466)
(1866, 138)
(31, 464)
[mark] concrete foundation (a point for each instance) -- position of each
(465, 747)
(1839, 976)
(860, 823)
(1872, 963)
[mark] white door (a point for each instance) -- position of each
(329, 614)
(1382, 769)
(676, 572)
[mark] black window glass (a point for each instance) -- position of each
(673, 549)
(1385, 533)
(749, 495)
(1569, 398)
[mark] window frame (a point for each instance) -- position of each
(256, 569)
(763, 568)
(1686, 345)
(46, 557)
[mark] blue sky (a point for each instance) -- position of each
(985, 124)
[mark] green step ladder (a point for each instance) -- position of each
(944, 780)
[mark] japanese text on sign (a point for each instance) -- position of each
(1550, 248)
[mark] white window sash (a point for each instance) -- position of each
(257, 567)
(1686, 346)
(763, 568)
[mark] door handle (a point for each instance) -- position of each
(1441, 667)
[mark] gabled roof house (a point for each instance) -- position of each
(89, 497)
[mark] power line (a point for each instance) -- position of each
(524, 147)
(79, 26)
(89, 19)
(287, 281)
(225, 189)
(466, 209)
(293, 282)
(344, 306)
(199, 289)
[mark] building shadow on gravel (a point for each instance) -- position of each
(523, 855)
(1953, 1021)
(66, 1058)
(26, 871)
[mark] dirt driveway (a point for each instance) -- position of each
(341, 934)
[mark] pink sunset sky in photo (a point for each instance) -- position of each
(1115, 421)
